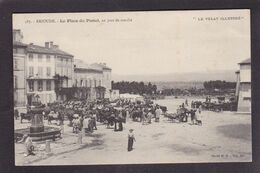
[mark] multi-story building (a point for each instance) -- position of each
(106, 77)
(19, 56)
(90, 78)
(45, 73)
(243, 89)
(48, 70)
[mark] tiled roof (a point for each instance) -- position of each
(40, 49)
(82, 70)
(16, 43)
(103, 66)
(247, 61)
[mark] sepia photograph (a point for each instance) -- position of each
(139, 87)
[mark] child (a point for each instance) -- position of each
(131, 139)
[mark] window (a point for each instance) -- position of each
(61, 73)
(99, 84)
(40, 71)
(31, 72)
(30, 57)
(81, 82)
(15, 82)
(20, 51)
(95, 83)
(31, 86)
(40, 57)
(39, 85)
(14, 50)
(247, 98)
(48, 85)
(15, 64)
(48, 71)
(48, 58)
(86, 83)
(90, 82)
(67, 71)
(58, 70)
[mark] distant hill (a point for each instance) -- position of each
(227, 75)
(180, 85)
(184, 80)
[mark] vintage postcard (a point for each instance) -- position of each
(132, 87)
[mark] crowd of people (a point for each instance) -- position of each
(84, 115)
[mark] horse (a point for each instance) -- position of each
(25, 116)
(173, 116)
(54, 116)
(111, 120)
(164, 109)
(137, 114)
(16, 114)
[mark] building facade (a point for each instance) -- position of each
(106, 77)
(19, 70)
(47, 74)
(243, 89)
(90, 78)
(48, 70)
(40, 63)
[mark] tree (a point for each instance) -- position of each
(134, 87)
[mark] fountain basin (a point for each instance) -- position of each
(48, 133)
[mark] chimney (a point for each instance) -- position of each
(55, 47)
(51, 44)
(47, 44)
(17, 35)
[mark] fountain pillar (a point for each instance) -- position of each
(37, 123)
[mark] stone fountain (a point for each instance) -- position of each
(37, 131)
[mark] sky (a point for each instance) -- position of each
(160, 42)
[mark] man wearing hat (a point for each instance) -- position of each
(131, 139)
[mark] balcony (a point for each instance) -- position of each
(39, 77)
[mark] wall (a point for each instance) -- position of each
(245, 73)
(107, 82)
(64, 67)
(45, 96)
(43, 63)
(244, 101)
(20, 99)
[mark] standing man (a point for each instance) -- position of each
(120, 123)
(186, 102)
(200, 108)
(85, 125)
(150, 115)
(94, 116)
(157, 114)
(131, 140)
(192, 116)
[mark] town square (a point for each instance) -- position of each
(112, 91)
